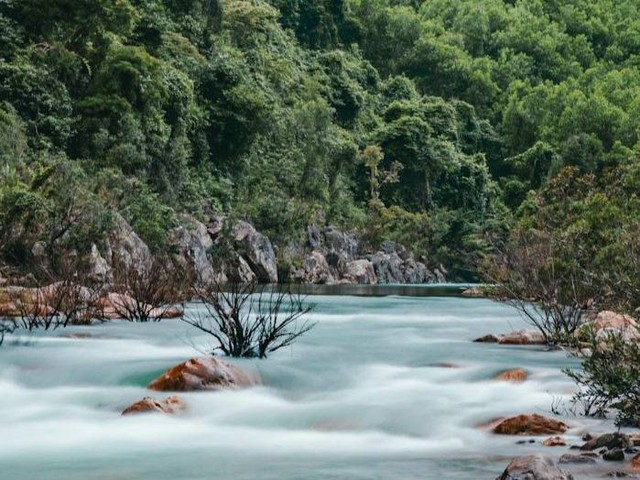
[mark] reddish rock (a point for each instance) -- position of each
(554, 442)
(9, 309)
(517, 375)
(149, 405)
(613, 320)
(447, 365)
(473, 292)
(208, 373)
(635, 463)
(523, 337)
(530, 425)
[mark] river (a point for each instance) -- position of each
(364, 395)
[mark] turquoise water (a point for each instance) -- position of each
(362, 396)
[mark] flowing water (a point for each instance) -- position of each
(364, 395)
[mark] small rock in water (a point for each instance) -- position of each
(534, 467)
(555, 442)
(608, 441)
(517, 375)
(473, 292)
(576, 459)
(614, 455)
(149, 405)
(635, 463)
(530, 425)
(523, 337)
(487, 339)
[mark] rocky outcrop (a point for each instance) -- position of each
(533, 467)
(208, 373)
(316, 270)
(257, 250)
(170, 405)
(388, 267)
(360, 272)
(517, 375)
(191, 244)
(124, 245)
(530, 425)
(487, 339)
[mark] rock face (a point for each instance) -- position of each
(124, 245)
(191, 242)
(170, 405)
(257, 250)
(360, 272)
(533, 467)
(316, 270)
(530, 425)
(523, 337)
(204, 374)
(517, 375)
(388, 267)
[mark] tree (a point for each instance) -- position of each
(250, 321)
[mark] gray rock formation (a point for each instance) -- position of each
(534, 467)
(360, 272)
(257, 250)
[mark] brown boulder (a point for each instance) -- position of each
(533, 467)
(523, 337)
(517, 375)
(554, 442)
(530, 425)
(149, 405)
(9, 309)
(473, 292)
(204, 374)
(613, 320)
(635, 463)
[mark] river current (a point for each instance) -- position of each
(369, 393)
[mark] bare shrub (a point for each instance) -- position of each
(247, 320)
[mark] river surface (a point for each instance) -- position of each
(364, 395)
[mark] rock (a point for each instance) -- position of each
(614, 455)
(314, 238)
(99, 270)
(417, 272)
(534, 467)
(517, 375)
(554, 442)
(523, 337)
(208, 373)
(315, 270)
(473, 292)
(360, 272)
(112, 305)
(530, 425)
(149, 405)
(168, 312)
(635, 463)
(577, 459)
(608, 441)
(440, 275)
(191, 243)
(344, 244)
(634, 438)
(124, 245)
(257, 250)
(487, 339)
(388, 267)
(613, 320)
(9, 309)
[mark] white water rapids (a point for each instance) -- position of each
(361, 396)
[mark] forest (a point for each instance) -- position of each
(444, 126)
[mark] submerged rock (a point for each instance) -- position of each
(517, 375)
(487, 339)
(554, 442)
(533, 467)
(360, 272)
(530, 425)
(577, 459)
(614, 455)
(169, 405)
(204, 374)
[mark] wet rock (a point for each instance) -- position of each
(170, 405)
(554, 442)
(614, 455)
(257, 250)
(473, 292)
(608, 441)
(487, 339)
(417, 272)
(523, 337)
(635, 463)
(534, 467)
(388, 267)
(577, 459)
(204, 374)
(530, 425)
(517, 375)
(360, 272)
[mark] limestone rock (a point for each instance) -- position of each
(257, 250)
(360, 272)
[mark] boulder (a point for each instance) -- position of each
(577, 459)
(554, 442)
(613, 455)
(613, 320)
(9, 309)
(257, 250)
(316, 270)
(635, 463)
(534, 467)
(388, 267)
(523, 337)
(487, 339)
(530, 425)
(208, 373)
(124, 245)
(517, 375)
(149, 405)
(191, 243)
(360, 272)
(608, 441)
(473, 292)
